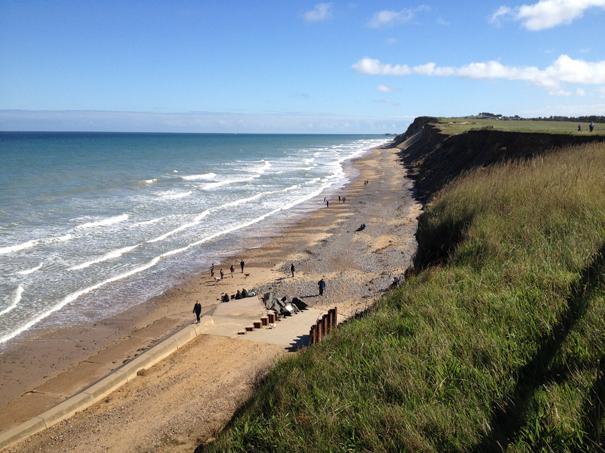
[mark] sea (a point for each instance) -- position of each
(92, 223)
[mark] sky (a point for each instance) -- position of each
(294, 66)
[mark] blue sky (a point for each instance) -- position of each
(294, 66)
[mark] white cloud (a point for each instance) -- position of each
(501, 12)
(384, 88)
(564, 70)
(546, 13)
(386, 18)
(319, 13)
(580, 92)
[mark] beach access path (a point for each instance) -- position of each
(188, 397)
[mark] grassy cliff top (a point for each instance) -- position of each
(454, 126)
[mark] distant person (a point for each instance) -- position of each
(327, 203)
(579, 128)
(222, 273)
(322, 286)
(197, 309)
(232, 269)
(339, 200)
(242, 265)
(344, 199)
(292, 269)
(591, 126)
(212, 270)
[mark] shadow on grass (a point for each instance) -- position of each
(507, 421)
(594, 410)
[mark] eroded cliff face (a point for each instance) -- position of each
(433, 159)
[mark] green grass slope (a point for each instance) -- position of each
(496, 341)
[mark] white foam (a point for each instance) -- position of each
(172, 195)
(146, 222)
(198, 218)
(32, 243)
(18, 247)
(30, 271)
(103, 222)
(226, 182)
(73, 296)
(108, 256)
(150, 181)
(260, 169)
(202, 177)
(16, 299)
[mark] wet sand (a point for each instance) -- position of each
(37, 373)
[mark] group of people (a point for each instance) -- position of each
(590, 127)
(242, 265)
(341, 199)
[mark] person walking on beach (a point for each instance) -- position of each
(591, 126)
(339, 200)
(197, 309)
(344, 199)
(222, 273)
(242, 265)
(212, 270)
(292, 269)
(232, 269)
(327, 203)
(322, 286)
(579, 127)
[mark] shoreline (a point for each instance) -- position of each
(168, 309)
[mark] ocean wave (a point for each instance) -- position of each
(34, 242)
(226, 182)
(103, 222)
(146, 222)
(198, 218)
(30, 271)
(16, 299)
(74, 296)
(203, 177)
(261, 168)
(172, 194)
(150, 181)
(108, 256)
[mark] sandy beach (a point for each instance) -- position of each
(185, 399)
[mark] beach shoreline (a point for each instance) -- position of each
(126, 336)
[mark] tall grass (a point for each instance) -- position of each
(496, 341)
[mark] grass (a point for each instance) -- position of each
(454, 126)
(496, 341)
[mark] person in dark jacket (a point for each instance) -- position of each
(292, 269)
(322, 286)
(197, 309)
(242, 264)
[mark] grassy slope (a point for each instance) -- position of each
(498, 338)
(452, 126)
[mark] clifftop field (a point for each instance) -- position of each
(452, 126)
(496, 339)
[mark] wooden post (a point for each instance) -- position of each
(312, 335)
(271, 317)
(264, 320)
(256, 324)
(335, 317)
(319, 329)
